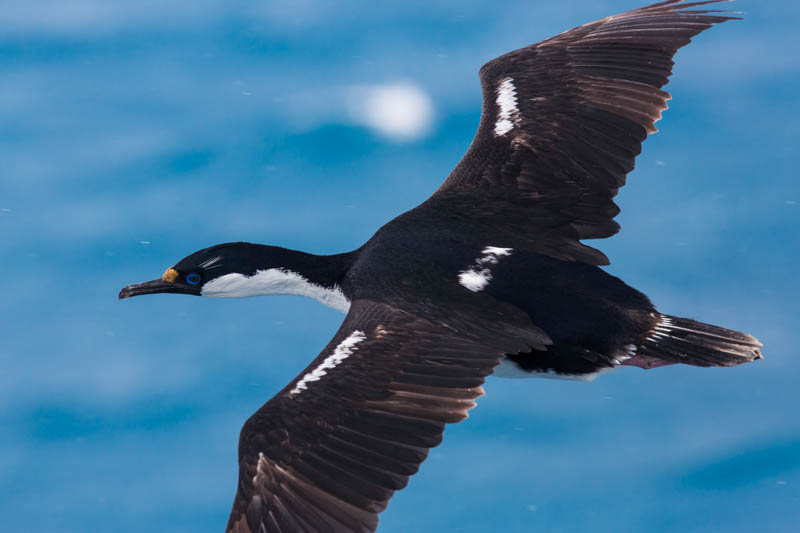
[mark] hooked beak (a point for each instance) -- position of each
(157, 286)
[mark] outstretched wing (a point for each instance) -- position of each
(329, 450)
(561, 124)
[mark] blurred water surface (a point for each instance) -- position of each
(132, 134)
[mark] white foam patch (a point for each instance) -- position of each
(344, 350)
(274, 281)
(478, 276)
(400, 111)
(507, 111)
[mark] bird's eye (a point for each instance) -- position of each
(193, 278)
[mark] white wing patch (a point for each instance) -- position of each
(475, 280)
(507, 111)
(340, 353)
(478, 276)
(274, 281)
(496, 252)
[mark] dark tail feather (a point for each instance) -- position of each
(683, 340)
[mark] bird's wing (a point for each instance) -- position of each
(329, 450)
(561, 124)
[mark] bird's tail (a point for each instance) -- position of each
(683, 340)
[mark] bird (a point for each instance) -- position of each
(488, 276)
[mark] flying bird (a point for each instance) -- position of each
(488, 275)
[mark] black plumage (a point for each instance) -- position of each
(489, 270)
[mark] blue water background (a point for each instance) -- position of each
(133, 133)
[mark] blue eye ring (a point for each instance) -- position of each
(193, 278)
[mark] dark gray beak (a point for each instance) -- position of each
(157, 286)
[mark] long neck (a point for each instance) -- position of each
(273, 270)
(327, 271)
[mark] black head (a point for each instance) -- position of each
(194, 271)
(241, 270)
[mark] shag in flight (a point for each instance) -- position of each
(488, 275)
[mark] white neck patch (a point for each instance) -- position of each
(344, 350)
(507, 111)
(274, 281)
(478, 276)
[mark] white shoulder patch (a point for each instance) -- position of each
(478, 276)
(475, 280)
(497, 252)
(340, 353)
(507, 111)
(274, 281)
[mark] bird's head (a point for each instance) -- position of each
(204, 272)
(241, 269)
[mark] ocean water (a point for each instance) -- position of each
(132, 134)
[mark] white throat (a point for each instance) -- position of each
(274, 281)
